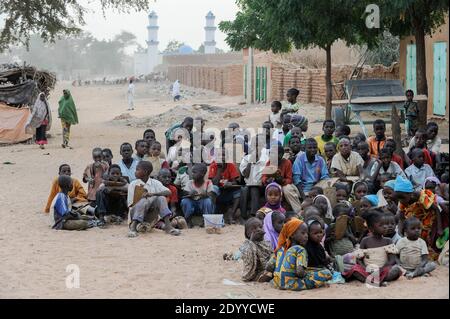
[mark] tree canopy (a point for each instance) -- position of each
(51, 19)
(279, 25)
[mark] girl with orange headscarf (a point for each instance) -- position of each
(290, 261)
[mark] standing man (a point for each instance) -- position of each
(176, 91)
(130, 95)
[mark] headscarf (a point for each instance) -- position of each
(270, 234)
(299, 120)
(316, 252)
(373, 199)
(355, 185)
(390, 184)
(284, 240)
(67, 110)
(403, 185)
(40, 112)
(329, 213)
(277, 206)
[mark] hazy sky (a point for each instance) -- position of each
(181, 20)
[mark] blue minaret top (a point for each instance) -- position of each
(210, 15)
(152, 14)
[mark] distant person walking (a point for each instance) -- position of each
(130, 95)
(176, 91)
(68, 115)
(40, 119)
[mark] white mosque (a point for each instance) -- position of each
(146, 60)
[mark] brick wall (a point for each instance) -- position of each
(226, 80)
(311, 82)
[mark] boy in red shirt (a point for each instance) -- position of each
(225, 177)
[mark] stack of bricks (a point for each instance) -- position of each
(226, 80)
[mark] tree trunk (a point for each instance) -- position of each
(421, 73)
(328, 84)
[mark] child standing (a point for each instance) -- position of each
(418, 171)
(413, 251)
(328, 128)
(290, 261)
(201, 197)
(291, 106)
(376, 143)
(93, 173)
(378, 264)
(275, 116)
(147, 202)
(411, 113)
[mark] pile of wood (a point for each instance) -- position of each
(14, 78)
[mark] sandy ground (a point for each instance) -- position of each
(154, 265)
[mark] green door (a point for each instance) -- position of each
(411, 67)
(439, 78)
(257, 84)
(264, 84)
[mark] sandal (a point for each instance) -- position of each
(174, 232)
(359, 226)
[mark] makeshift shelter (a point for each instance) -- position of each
(12, 124)
(19, 88)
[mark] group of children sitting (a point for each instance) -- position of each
(314, 208)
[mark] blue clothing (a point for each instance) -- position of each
(61, 207)
(196, 207)
(129, 172)
(307, 174)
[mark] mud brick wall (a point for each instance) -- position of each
(226, 80)
(311, 82)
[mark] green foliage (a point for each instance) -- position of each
(401, 17)
(51, 19)
(278, 25)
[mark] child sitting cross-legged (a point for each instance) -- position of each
(200, 196)
(340, 239)
(377, 264)
(413, 251)
(289, 264)
(77, 194)
(111, 197)
(147, 202)
(63, 216)
(318, 259)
